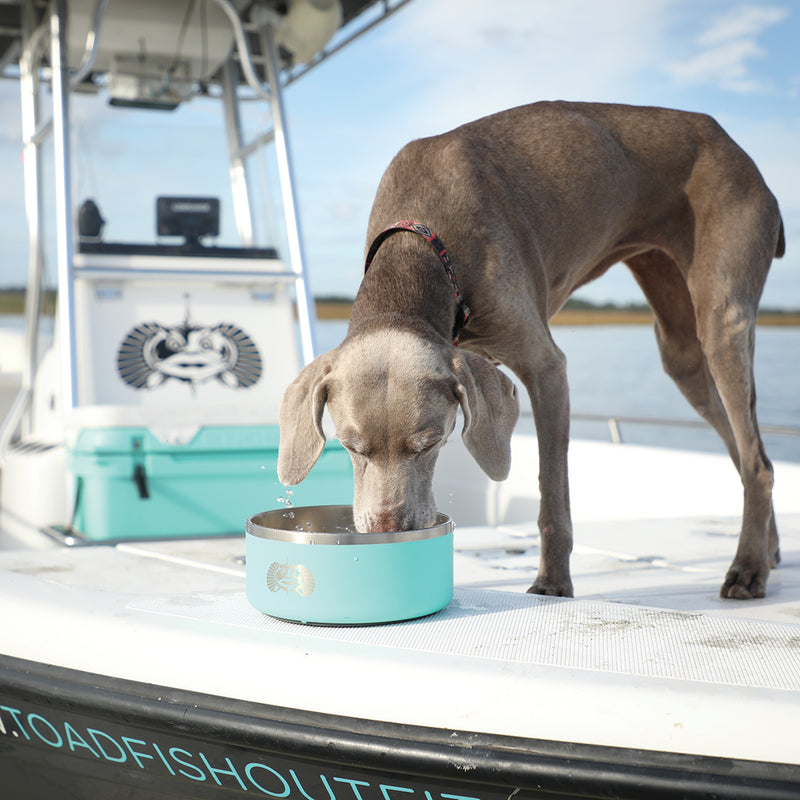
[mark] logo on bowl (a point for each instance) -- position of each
(290, 578)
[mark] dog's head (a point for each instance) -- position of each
(393, 397)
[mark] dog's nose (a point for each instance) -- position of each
(386, 522)
(390, 520)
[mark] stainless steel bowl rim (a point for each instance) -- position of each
(256, 527)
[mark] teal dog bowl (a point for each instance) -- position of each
(309, 565)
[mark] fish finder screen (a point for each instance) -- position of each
(190, 217)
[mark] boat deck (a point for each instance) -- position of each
(647, 657)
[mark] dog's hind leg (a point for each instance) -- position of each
(676, 335)
(717, 379)
(725, 289)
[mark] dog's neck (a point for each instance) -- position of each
(406, 279)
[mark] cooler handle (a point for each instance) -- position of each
(140, 479)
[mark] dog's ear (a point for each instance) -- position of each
(491, 408)
(302, 437)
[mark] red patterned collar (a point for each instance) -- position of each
(462, 309)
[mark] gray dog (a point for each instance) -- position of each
(533, 203)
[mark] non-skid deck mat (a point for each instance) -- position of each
(553, 632)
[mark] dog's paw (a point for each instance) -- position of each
(742, 583)
(552, 589)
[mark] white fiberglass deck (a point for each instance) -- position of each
(646, 657)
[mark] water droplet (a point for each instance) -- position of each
(287, 500)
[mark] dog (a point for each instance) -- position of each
(476, 238)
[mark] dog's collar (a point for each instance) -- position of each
(462, 309)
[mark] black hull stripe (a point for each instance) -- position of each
(64, 728)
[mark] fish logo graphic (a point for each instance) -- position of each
(290, 578)
(152, 354)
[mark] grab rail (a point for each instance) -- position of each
(616, 434)
(615, 421)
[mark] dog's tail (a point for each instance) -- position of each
(780, 249)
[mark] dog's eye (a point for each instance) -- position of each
(424, 441)
(356, 446)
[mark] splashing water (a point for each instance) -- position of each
(287, 503)
(287, 500)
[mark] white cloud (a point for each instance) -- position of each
(728, 48)
(724, 66)
(741, 23)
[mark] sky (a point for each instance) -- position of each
(432, 66)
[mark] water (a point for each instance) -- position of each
(287, 501)
(615, 370)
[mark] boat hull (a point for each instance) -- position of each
(103, 737)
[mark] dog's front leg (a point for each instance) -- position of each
(549, 392)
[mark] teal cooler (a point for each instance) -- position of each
(131, 485)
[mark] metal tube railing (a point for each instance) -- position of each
(32, 166)
(237, 168)
(616, 422)
(289, 195)
(245, 56)
(92, 43)
(63, 197)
